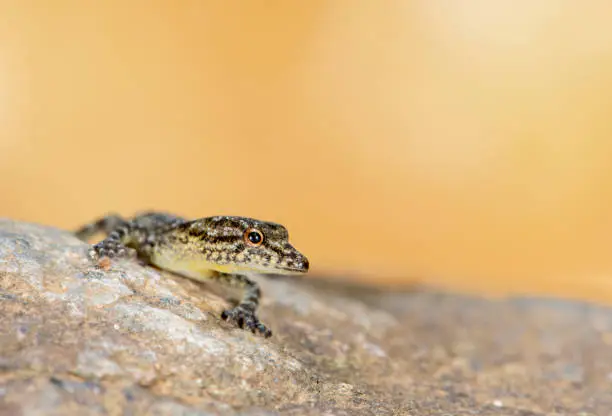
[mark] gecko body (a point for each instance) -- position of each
(219, 249)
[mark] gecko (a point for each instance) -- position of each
(218, 249)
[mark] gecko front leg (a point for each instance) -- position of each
(123, 238)
(244, 315)
(118, 232)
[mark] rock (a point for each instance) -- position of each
(78, 339)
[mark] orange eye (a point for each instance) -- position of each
(253, 237)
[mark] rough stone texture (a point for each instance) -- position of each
(75, 339)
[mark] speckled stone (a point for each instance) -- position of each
(79, 340)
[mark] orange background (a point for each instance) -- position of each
(467, 145)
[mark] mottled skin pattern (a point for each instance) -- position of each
(221, 249)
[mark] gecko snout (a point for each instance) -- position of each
(301, 264)
(294, 263)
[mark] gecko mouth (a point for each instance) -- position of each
(296, 267)
(300, 266)
(289, 270)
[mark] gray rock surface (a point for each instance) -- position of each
(79, 340)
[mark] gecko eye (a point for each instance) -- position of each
(253, 237)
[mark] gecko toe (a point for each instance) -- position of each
(263, 330)
(245, 319)
(92, 253)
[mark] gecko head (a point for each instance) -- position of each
(239, 244)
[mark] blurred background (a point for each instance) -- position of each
(465, 144)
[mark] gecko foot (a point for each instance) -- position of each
(110, 249)
(245, 318)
